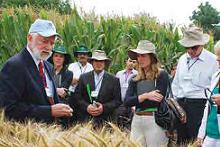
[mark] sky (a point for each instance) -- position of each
(174, 11)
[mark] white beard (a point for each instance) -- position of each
(40, 56)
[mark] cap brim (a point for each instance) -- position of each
(132, 53)
(100, 59)
(88, 53)
(49, 34)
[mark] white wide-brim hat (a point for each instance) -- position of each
(194, 36)
(144, 47)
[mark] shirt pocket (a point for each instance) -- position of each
(201, 79)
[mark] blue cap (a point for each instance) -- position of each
(44, 28)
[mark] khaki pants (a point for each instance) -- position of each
(145, 130)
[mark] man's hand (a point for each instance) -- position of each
(61, 92)
(75, 81)
(216, 99)
(95, 111)
(59, 110)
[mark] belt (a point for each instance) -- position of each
(144, 113)
(192, 100)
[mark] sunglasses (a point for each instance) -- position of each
(82, 54)
(193, 48)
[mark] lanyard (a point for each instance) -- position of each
(81, 68)
(99, 82)
(189, 66)
(126, 76)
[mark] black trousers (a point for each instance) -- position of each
(124, 116)
(194, 111)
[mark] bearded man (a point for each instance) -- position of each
(27, 89)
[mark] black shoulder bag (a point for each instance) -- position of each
(169, 113)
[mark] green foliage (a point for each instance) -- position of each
(113, 34)
(62, 6)
(205, 16)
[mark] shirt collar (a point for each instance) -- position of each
(100, 74)
(125, 71)
(36, 61)
(80, 65)
(200, 57)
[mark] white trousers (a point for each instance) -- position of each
(211, 142)
(145, 130)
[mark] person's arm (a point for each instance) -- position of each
(162, 82)
(66, 82)
(131, 98)
(202, 129)
(175, 82)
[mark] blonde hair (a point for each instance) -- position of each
(153, 71)
(217, 47)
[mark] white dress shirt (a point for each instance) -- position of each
(124, 78)
(49, 89)
(77, 70)
(194, 75)
(202, 129)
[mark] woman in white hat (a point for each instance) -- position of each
(145, 92)
(210, 128)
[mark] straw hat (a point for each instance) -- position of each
(194, 36)
(144, 47)
(100, 56)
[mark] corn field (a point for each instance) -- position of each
(113, 34)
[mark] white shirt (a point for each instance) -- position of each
(202, 129)
(77, 70)
(124, 78)
(49, 89)
(194, 75)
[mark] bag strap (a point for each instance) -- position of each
(169, 93)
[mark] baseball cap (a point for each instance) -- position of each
(43, 27)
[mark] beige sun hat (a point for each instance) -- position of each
(144, 47)
(100, 56)
(194, 36)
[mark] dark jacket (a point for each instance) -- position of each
(131, 98)
(21, 89)
(66, 78)
(109, 95)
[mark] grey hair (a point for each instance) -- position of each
(217, 47)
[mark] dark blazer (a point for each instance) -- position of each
(109, 95)
(22, 93)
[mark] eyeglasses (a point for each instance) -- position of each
(193, 47)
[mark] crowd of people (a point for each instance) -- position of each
(41, 83)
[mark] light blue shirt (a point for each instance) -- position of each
(124, 78)
(98, 80)
(194, 75)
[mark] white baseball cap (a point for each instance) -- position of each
(45, 28)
